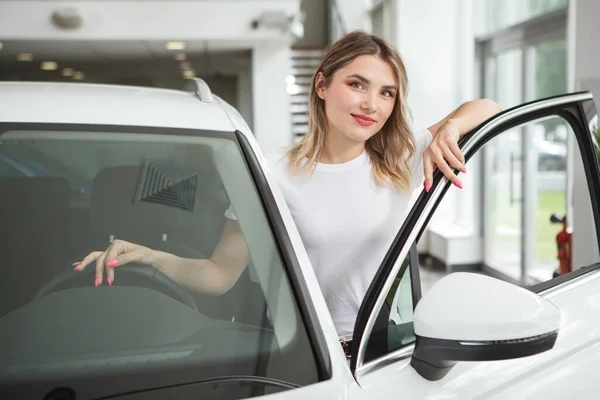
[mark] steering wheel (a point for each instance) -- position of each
(130, 274)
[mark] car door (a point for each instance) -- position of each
(383, 361)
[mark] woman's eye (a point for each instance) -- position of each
(357, 85)
(387, 93)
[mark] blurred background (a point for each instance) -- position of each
(260, 56)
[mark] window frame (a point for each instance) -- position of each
(577, 109)
(415, 279)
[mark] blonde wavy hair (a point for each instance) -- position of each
(391, 148)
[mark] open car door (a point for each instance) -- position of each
(419, 347)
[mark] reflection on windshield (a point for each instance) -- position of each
(65, 194)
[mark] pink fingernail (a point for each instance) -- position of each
(109, 281)
(96, 282)
(77, 267)
(427, 188)
(464, 170)
(112, 263)
(458, 184)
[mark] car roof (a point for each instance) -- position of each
(103, 104)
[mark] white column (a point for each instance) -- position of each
(587, 77)
(436, 40)
(354, 14)
(270, 101)
(244, 96)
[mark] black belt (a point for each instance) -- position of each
(347, 347)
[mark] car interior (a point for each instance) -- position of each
(46, 228)
(169, 193)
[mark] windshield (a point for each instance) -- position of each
(68, 191)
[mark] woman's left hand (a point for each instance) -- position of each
(444, 153)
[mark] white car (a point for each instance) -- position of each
(82, 165)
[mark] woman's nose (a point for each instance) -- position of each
(369, 102)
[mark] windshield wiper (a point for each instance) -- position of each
(264, 381)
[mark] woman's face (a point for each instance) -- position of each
(360, 97)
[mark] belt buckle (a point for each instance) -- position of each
(346, 347)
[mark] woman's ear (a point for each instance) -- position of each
(320, 85)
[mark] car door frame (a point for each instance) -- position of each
(577, 109)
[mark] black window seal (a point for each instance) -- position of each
(307, 310)
(564, 278)
(108, 128)
(415, 274)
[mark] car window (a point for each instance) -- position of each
(7, 170)
(393, 327)
(534, 208)
(167, 190)
(527, 192)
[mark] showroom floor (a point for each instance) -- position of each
(429, 276)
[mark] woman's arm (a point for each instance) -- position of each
(443, 152)
(214, 275)
(468, 116)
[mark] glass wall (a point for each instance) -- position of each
(503, 156)
(500, 14)
(523, 57)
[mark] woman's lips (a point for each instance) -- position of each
(363, 120)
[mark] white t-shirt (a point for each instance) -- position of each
(347, 223)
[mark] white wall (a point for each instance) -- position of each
(354, 13)
(270, 101)
(427, 38)
(585, 63)
(142, 20)
(436, 40)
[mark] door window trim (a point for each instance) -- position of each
(577, 109)
(307, 311)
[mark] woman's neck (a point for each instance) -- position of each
(340, 149)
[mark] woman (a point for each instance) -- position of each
(347, 183)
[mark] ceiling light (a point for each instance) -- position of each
(24, 57)
(175, 45)
(78, 76)
(49, 66)
(180, 57)
(67, 72)
(189, 73)
(293, 89)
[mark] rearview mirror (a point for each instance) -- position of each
(472, 317)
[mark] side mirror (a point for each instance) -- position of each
(472, 317)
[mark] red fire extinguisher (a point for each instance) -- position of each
(563, 244)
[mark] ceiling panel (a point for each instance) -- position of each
(111, 50)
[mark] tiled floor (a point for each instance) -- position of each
(429, 276)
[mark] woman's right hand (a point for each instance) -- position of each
(118, 253)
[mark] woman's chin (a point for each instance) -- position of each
(360, 136)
